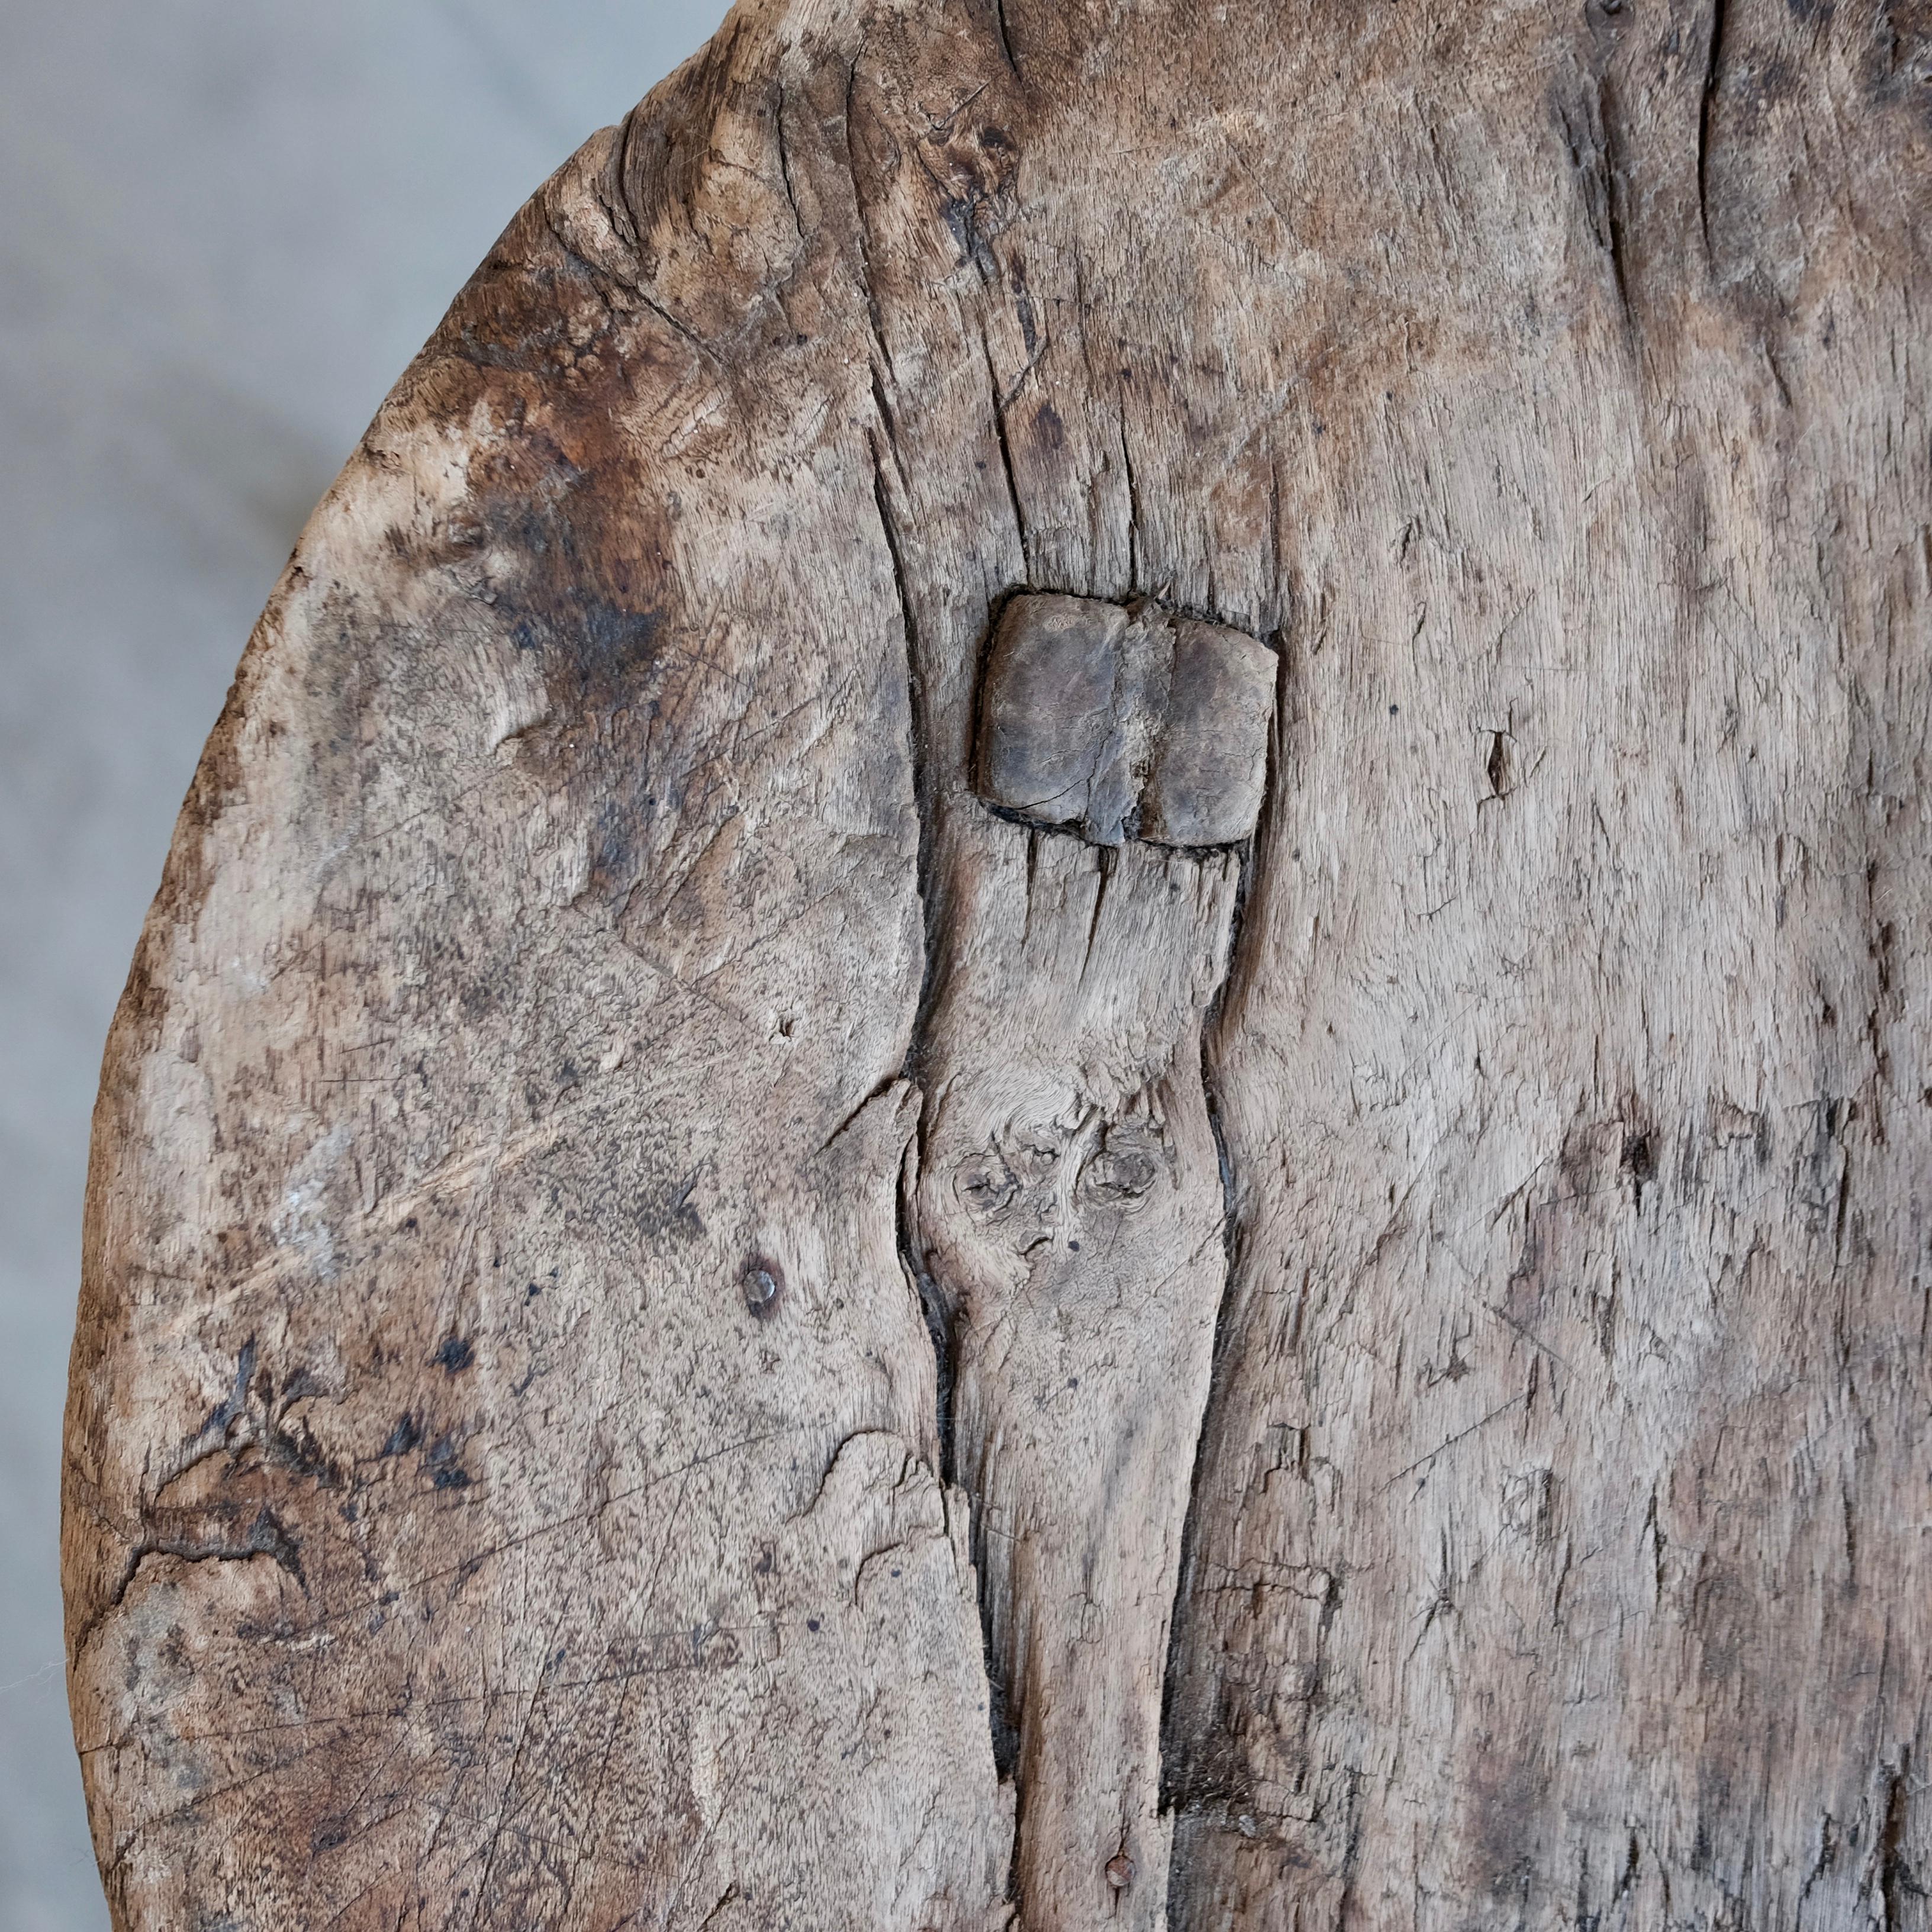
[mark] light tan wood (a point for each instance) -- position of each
(1069, 1213)
(575, 1420)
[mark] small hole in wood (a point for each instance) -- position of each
(763, 1282)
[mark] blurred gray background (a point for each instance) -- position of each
(224, 228)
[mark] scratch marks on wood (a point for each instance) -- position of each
(1000, 1107)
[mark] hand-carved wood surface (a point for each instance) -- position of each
(1045, 1041)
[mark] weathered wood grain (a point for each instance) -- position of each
(574, 1418)
(1070, 1216)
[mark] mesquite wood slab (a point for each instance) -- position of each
(1044, 1043)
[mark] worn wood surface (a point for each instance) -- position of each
(688, 1323)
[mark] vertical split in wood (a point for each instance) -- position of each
(1068, 1210)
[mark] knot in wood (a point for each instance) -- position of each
(1047, 1173)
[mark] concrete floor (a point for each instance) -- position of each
(224, 229)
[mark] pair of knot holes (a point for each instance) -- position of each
(762, 1283)
(1117, 1175)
